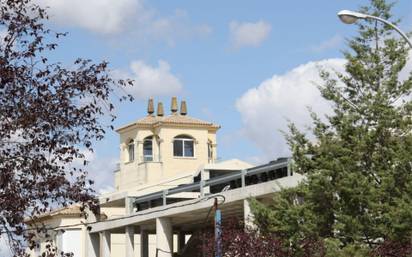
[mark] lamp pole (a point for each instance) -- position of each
(350, 17)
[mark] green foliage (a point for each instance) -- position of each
(358, 190)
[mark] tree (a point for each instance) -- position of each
(49, 115)
(358, 191)
(238, 240)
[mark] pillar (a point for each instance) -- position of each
(129, 236)
(164, 237)
(248, 217)
(105, 244)
(181, 240)
(144, 243)
(92, 245)
(129, 205)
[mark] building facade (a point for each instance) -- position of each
(166, 183)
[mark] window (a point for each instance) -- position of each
(130, 150)
(209, 150)
(148, 149)
(183, 146)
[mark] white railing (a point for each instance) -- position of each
(266, 172)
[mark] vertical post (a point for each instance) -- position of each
(59, 240)
(181, 240)
(289, 167)
(205, 176)
(129, 205)
(248, 218)
(218, 231)
(164, 237)
(202, 188)
(105, 244)
(164, 197)
(92, 245)
(144, 243)
(243, 178)
(129, 236)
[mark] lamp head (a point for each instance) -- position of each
(350, 17)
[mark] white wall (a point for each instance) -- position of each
(71, 242)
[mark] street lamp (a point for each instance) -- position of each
(350, 17)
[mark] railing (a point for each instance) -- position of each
(271, 171)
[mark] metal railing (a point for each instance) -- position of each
(280, 165)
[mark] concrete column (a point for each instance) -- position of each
(129, 205)
(181, 240)
(92, 245)
(164, 237)
(205, 175)
(144, 243)
(129, 241)
(105, 244)
(248, 217)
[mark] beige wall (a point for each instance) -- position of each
(118, 247)
(138, 173)
(65, 222)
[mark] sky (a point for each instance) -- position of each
(249, 66)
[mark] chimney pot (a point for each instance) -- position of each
(174, 105)
(150, 107)
(183, 108)
(160, 111)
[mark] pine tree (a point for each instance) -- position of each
(358, 191)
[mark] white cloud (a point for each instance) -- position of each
(128, 18)
(4, 247)
(151, 80)
(330, 43)
(266, 109)
(406, 71)
(100, 169)
(103, 16)
(171, 28)
(243, 34)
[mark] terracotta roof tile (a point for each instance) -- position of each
(175, 119)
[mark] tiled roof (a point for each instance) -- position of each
(69, 210)
(174, 119)
(65, 211)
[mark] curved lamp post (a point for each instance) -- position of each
(350, 17)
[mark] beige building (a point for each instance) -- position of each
(165, 183)
(161, 147)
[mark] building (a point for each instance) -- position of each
(166, 183)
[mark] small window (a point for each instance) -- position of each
(130, 150)
(183, 146)
(148, 149)
(210, 150)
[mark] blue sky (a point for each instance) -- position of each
(246, 65)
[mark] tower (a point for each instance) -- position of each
(161, 147)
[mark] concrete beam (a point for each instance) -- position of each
(238, 194)
(129, 236)
(164, 237)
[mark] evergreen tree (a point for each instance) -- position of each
(358, 191)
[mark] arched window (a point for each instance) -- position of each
(183, 146)
(130, 150)
(148, 149)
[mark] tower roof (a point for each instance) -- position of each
(174, 120)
